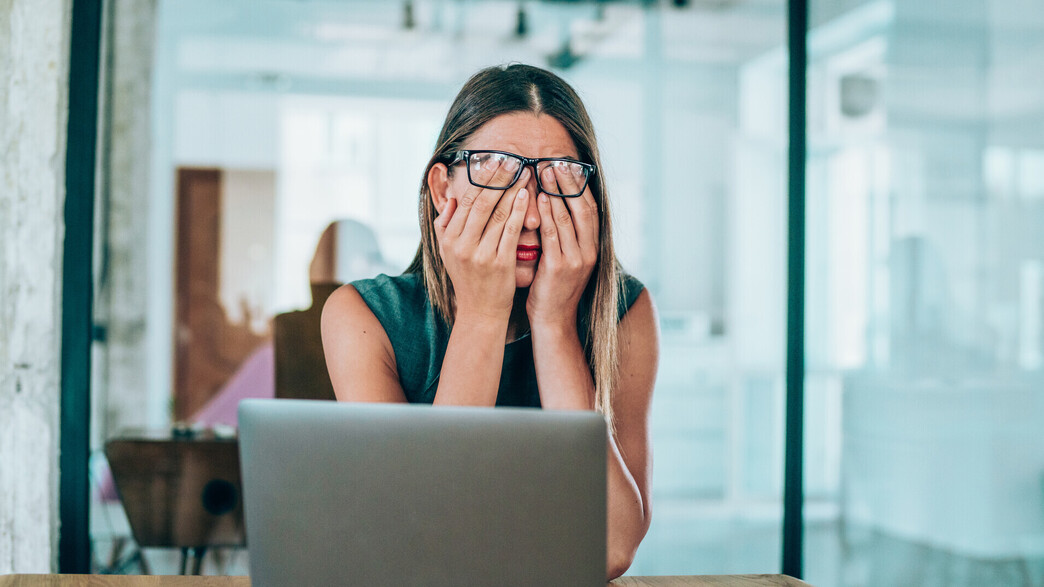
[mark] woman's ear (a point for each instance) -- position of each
(438, 185)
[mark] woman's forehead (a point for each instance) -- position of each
(525, 133)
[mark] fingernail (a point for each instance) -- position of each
(543, 198)
(522, 194)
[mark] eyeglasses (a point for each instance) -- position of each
(499, 170)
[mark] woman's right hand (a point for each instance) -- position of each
(478, 232)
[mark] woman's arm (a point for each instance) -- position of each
(630, 463)
(470, 374)
(359, 355)
(569, 241)
(565, 382)
(477, 240)
(361, 361)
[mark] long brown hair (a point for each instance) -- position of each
(523, 88)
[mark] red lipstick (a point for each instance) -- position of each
(527, 252)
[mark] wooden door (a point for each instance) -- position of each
(208, 347)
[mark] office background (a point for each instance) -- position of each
(924, 289)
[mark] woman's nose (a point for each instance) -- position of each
(532, 221)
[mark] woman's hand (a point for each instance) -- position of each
(478, 237)
(569, 251)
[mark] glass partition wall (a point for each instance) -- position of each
(925, 251)
(236, 136)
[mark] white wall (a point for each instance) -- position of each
(34, 66)
(119, 384)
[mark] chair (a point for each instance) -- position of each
(180, 491)
(300, 365)
(347, 250)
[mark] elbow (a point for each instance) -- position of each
(620, 557)
(621, 553)
(618, 564)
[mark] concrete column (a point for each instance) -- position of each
(121, 398)
(34, 81)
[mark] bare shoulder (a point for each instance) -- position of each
(345, 306)
(639, 344)
(639, 340)
(359, 354)
(346, 315)
(641, 317)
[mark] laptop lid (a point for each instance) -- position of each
(380, 494)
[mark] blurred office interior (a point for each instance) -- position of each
(233, 133)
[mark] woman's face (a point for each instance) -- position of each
(533, 136)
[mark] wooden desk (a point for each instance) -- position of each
(708, 581)
(179, 492)
(211, 581)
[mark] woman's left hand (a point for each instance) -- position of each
(569, 250)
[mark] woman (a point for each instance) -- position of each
(515, 296)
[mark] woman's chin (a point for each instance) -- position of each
(524, 276)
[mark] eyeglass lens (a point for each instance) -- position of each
(500, 170)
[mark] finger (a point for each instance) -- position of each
(549, 181)
(444, 217)
(471, 195)
(549, 241)
(513, 227)
(585, 218)
(484, 167)
(490, 238)
(446, 214)
(488, 199)
(564, 226)
(568, 182)
(441, 221)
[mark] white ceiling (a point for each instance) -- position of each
(367, 39)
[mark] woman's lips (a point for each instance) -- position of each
(527, 252)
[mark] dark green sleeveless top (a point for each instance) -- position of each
(419, 337)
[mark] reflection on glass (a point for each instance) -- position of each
(925, 294)
(301, 114)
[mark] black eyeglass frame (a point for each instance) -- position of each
(462, 157)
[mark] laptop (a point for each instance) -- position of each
(399, 494)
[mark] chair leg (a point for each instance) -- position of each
(117, 550)
(197, 563)
(184, 560)
(144, 564)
